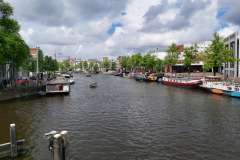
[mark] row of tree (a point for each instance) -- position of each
(44, 63)
(94, 66)
(213, 57)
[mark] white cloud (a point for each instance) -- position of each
(79, 28)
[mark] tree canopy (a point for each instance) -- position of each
(95, 67)
(172, 55)
(216, 54)
(114, 65)
(190, 55)
(12, 46)
(85, 65)
(106, 64)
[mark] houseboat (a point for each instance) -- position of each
(213, 83)
(182, 82)
(58, 85)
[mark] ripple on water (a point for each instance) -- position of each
(125, 119)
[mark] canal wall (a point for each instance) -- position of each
(17, 92)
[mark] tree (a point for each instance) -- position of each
(159, 65)
(66, 65)
(29, 65)
(40, 61)
(91, 65)
(114, 66)
(85, 65)
(150, 63)
(61, 66)
(48, 64)
(137, 59)
(106, 64)
(172, 55)
(216, 54)
(190, 54)
(81, 65)
(12, 46)
(124, 63)
(95, 67)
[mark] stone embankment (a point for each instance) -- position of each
(20, 91)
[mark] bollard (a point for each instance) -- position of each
(64, 135)
(13, 136)
(57, 147)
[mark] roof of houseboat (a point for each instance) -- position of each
(59, 80)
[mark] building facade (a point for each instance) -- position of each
(232, 69)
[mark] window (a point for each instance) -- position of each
(52, 87)
(56, 87)
(60, 87)
(48, 87)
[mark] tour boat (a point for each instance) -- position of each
(58, 85)
(215, 82)
(189, 82)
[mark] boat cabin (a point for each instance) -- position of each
(58, 85)
(213, 79)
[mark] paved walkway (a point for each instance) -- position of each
(199, 74)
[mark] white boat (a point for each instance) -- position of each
(71, 81)
(58, 85)
(215, 82)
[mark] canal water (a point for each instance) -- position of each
(126, 119)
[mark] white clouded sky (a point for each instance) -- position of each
(80, 29)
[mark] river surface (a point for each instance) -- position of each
(126, 119)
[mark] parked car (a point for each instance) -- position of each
(24, 80)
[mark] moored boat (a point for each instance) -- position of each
(182, 82)
(42, 93)
(58, 85)
(235, 94)
(151, 78)
(88, 75)
(71, 81)
(215, 82)
(217, 91)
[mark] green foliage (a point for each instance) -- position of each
(124, 62)
(216, 54)
(12, 46)
(66, 65)
(29, 65)
(137, 60)
(106, 64)
(40, 61)
(159, 65)
(148, 61)
(85, 65)
(91, 64)
(172, 55)
(61, 66)
(81, 65)
(95, 67)
(114, 66)
(190, 55)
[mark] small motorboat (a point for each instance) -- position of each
(67, 76)
(93, 84)
(71, 81)
(42, 93)
(235, 94)
(217, 91)
(88, 75)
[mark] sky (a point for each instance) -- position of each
(92, 29)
